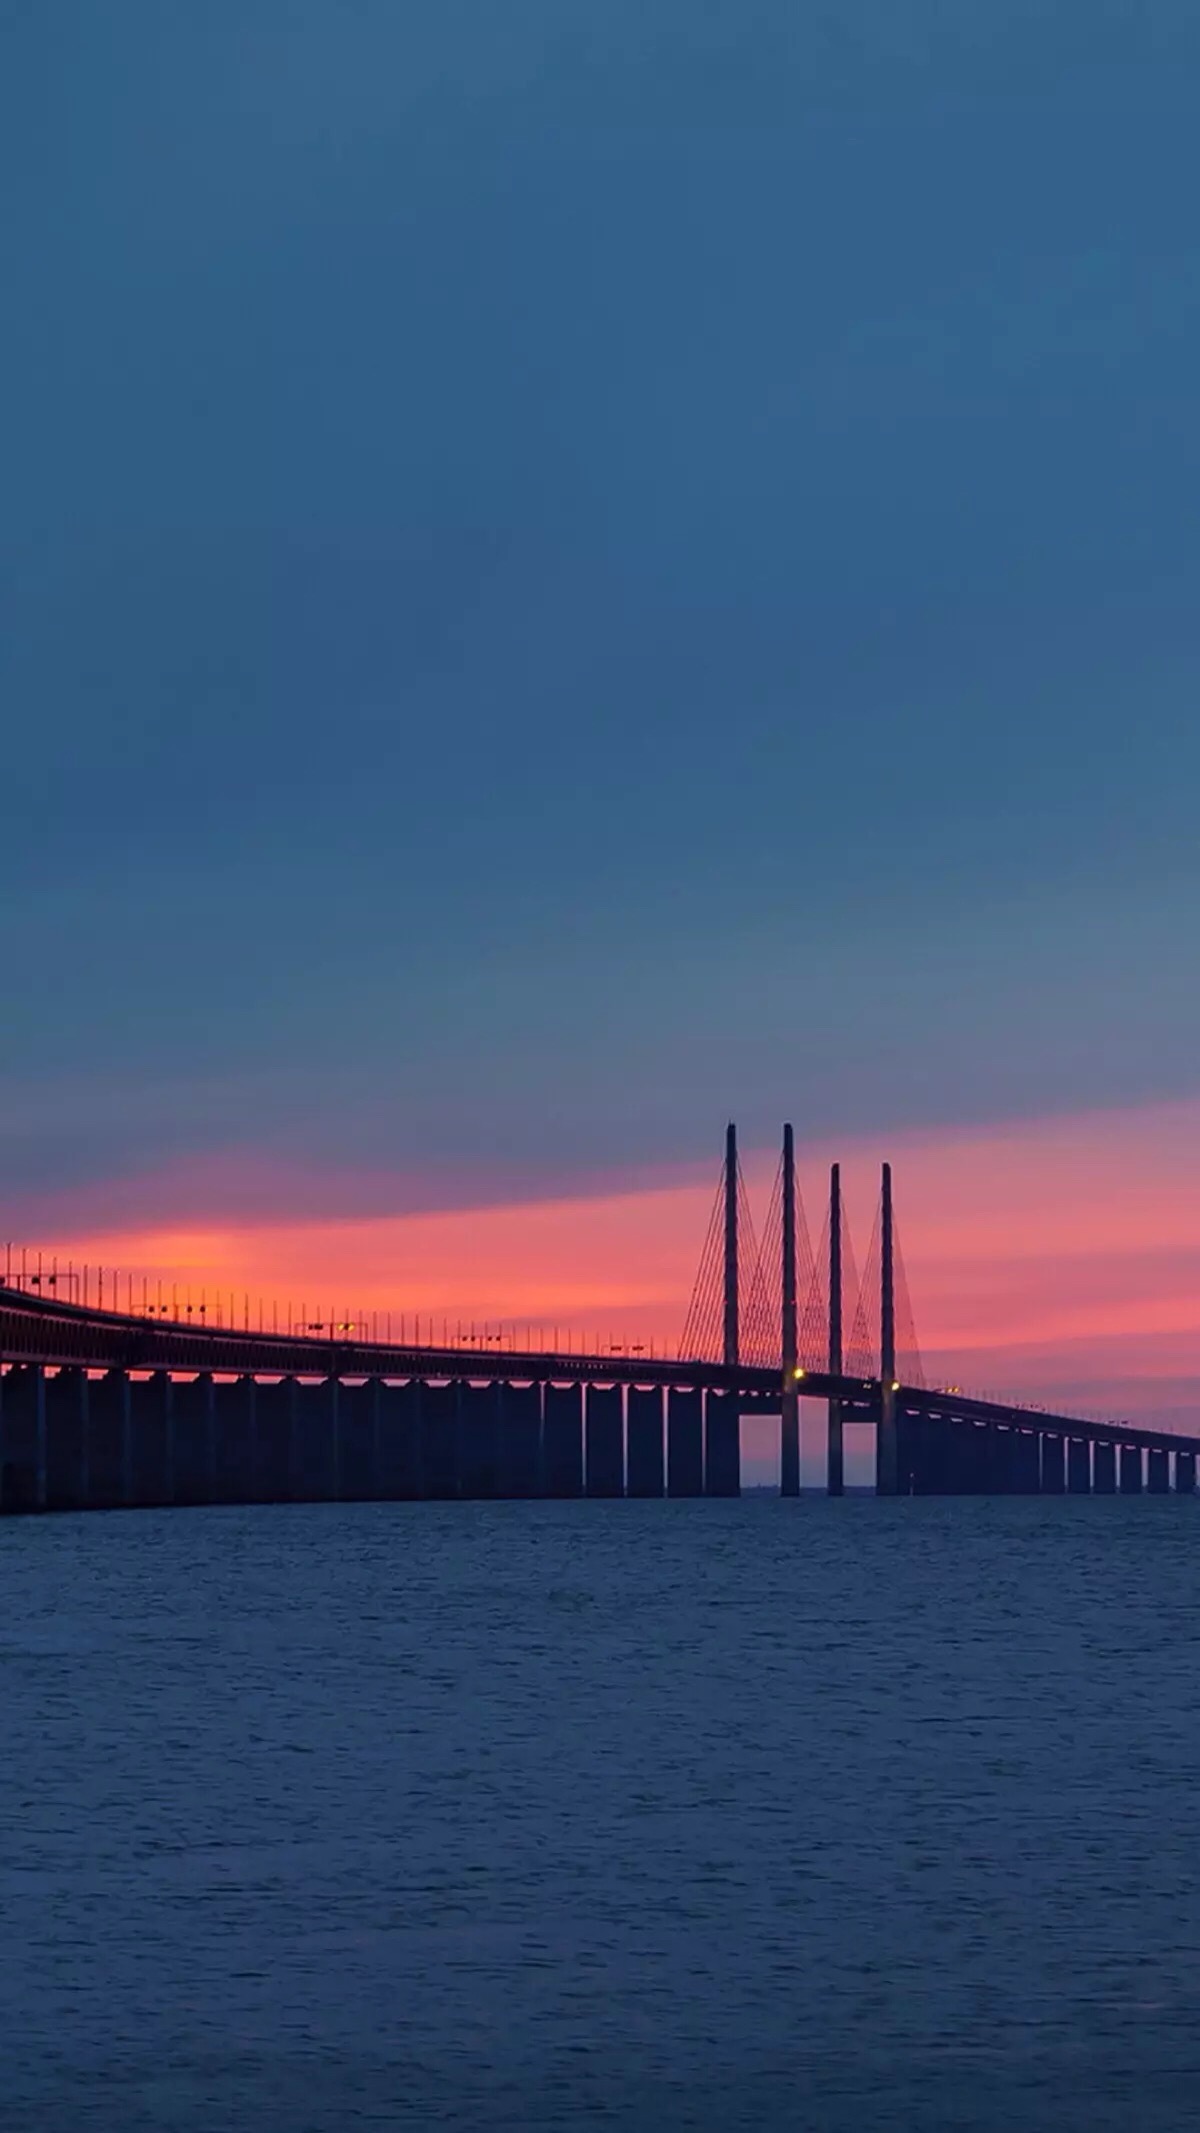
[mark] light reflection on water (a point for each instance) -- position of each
(639, 1815)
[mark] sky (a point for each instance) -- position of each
(570, 572)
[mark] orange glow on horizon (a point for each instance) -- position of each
(1034, 1252)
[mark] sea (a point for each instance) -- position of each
(730, 1815)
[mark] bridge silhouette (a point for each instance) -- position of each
(168, 1404)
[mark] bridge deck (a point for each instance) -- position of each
(43, 1331)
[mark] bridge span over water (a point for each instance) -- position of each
(103, 1409)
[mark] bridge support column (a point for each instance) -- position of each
(1104, 1468)
(1054, 1479)
(644, 1442)
(66, 1441)
(971, 1456)
(685, 1442)
(400, 1442)
(789, 1411)
(195, 1439)
(358, 1407)
(149, 1424)
(1131, 1470)
(604, 1447)
(1185, 1473)
(439, 1464)
(835, 1453)
(520, 1441)
(23, 1438)
(274, 1428)
(109, 1448)
(887, 1451)
(235, 1465)
(478, 1458)
(1079, 1466)
(1158, 1471)
(1029, 1462)
(562, 1441)
(722, 1445)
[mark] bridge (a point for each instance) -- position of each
(161, 1404)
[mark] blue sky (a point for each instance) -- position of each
(569, 571)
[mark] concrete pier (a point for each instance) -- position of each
(520, 1441)
(1158, 1472)
(604, 1441)
(722, 1445)
(478, 1460)
(109, 1442)
(400, 1478)
(273, 1416)
(23, 1438)
(1185, 1473)
(1054, 1466)
(644, 1442)
(439, 1465)
(1079, 1466)
(562, 1441)
(1104, 1469)
(315, 1462)
(359, 1415)
(1131, 1470)
(67, 1485)
(685, 1442)
(235, 1475)
(194, 1431)
(1026, 1457)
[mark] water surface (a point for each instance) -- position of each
(665, 1816)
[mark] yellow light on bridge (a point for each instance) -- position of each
(797, 1373)
(895, 1384)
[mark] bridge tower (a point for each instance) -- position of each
(887, 1449)
(730, 1341)
(836, 1458)
(789, 1443)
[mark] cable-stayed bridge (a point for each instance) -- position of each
(109, 1401)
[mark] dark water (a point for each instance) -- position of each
(717, 1816)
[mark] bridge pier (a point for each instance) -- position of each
(273, 1419)
(1054, 1476)
(1185, 1473)
(562, 1441)
(23, 1438)
(1079, 1466)
(149, 1429)
(685, 1442)
(234, 1472)
(193, 1412)
(1026, 1451)
(66, 1440)
(359, 1416)
(109, 1448)
(520, 1441)
(479, 1459)
(644, 1454)
(400, 1475)
(439, 1465)
(722, 1445)
(604, 1447)
(1158, 1471)
(1131, 1469)
(1104, 1468)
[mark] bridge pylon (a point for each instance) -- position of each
(731, 1329)
(887, 1448)
(835, 1441)
(789, 1424)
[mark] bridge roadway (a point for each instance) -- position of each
(102, 1410)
